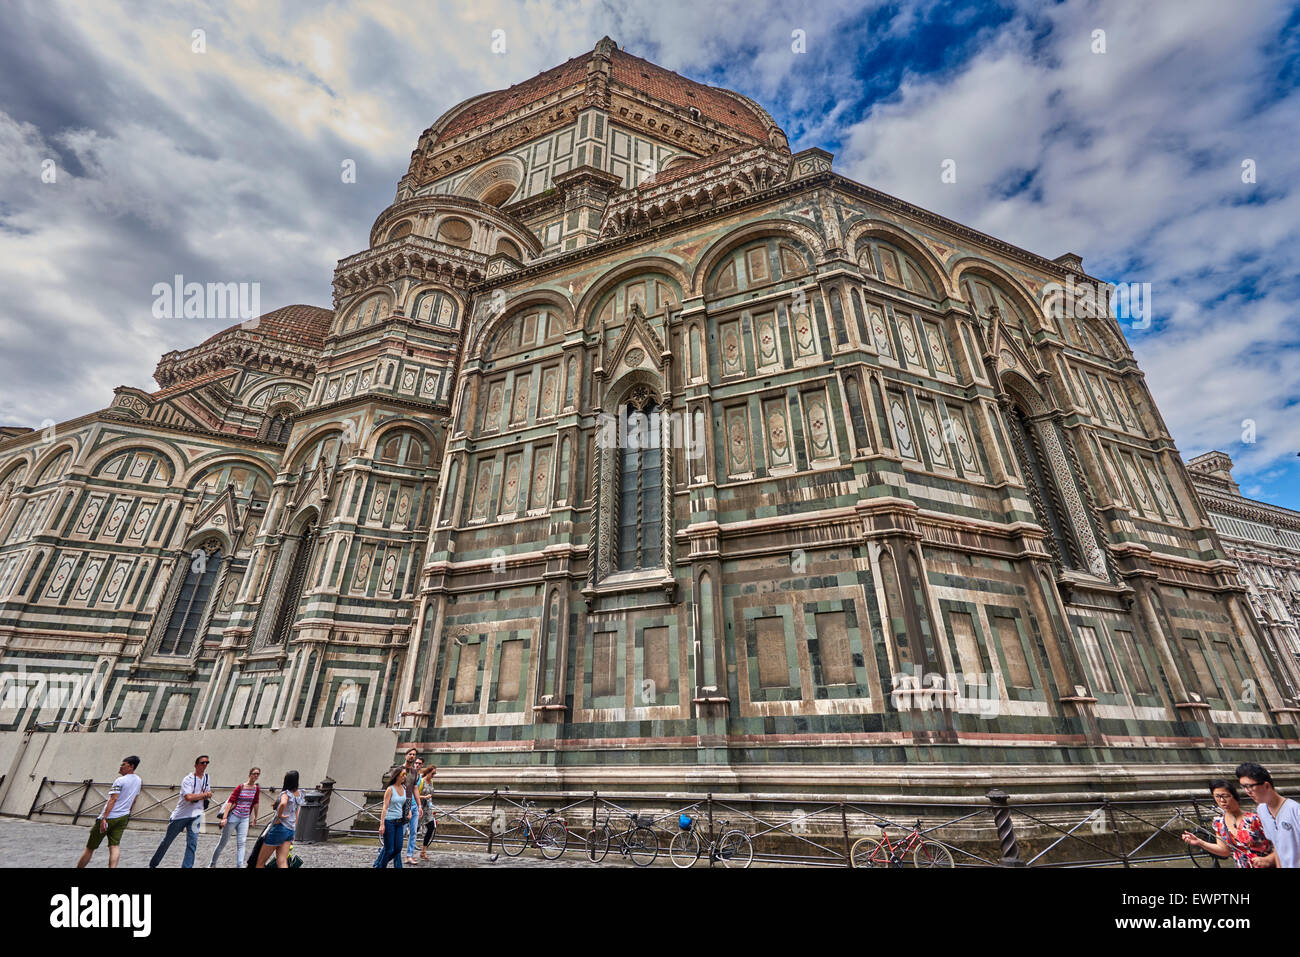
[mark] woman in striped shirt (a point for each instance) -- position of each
(241, 804)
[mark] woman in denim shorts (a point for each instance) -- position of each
(286, 819)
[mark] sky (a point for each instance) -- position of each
(1162, 149)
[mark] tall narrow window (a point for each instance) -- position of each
(640, 500)
(1043, 489)
(192, 603)
(293, 585)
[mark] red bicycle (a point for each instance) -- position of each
(881, 852)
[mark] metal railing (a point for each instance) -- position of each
(981, 831)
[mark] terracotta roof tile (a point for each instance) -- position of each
(297, 325)
(498, 104)
(626, 70)
(190, 383)
(714, 104)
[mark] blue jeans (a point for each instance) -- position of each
(394, 831)
(190, 825)
(239, 825)
(412, 829)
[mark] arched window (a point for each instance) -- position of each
(403, 447)
(434, 306)
(55, 469)
(655, 294)
(497, 195)
(983, 295)
(898, 268)
(640, 489)
(245, 481)
(371, 310)
(324, 447)
(279, 423)
(455, 232)
(303, 547)
(758, 263)
(191, 605)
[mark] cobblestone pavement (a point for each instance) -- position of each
(39, 844)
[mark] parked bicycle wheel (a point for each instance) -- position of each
(597, 844)
(685, 848)
(643, 846)
(514, 837)
(735, 849)
(931, 854)
(553, 840)
(863, 853)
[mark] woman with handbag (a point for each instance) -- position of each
(280, 834)
(234, 816)
(393, 818)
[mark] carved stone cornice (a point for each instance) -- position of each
(417, 257)
(744, 173)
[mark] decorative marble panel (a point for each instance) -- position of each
(821, 441)
(901, 423)
(738, 459)
(482, 488)
(805, 336)
(766, 348)
(539, 495)
(733, 353)
(776, 420)
(933, 432)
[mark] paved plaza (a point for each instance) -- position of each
(39, 844)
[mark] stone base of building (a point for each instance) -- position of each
(872, 783)
(351, 756)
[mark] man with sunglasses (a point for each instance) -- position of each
(188, 815)
(1280, 816)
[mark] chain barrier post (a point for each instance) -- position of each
(1119, 844)
(82, 803)
(1006, 829)
(844, 819)
(492, 822)
(36, 800)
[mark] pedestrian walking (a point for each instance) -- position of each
(196, 791)
(1279, 815)
(430, 819)
(416, 780)
(280, 835)
(411, 755)
(235, 814)
(112, 821)
(1240, 834)
(393, 818)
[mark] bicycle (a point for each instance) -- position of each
(550, 836)
(733, 848)
(881, 852)
(637, 841)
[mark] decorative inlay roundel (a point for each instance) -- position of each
(1007, 357)
(635, 356)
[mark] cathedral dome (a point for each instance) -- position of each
(724, 108)
(682, 116)
(297, 325)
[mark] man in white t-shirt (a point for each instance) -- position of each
(187, 817)
(113, 819)
(1280, 816)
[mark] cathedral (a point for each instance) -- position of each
(636, 448)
